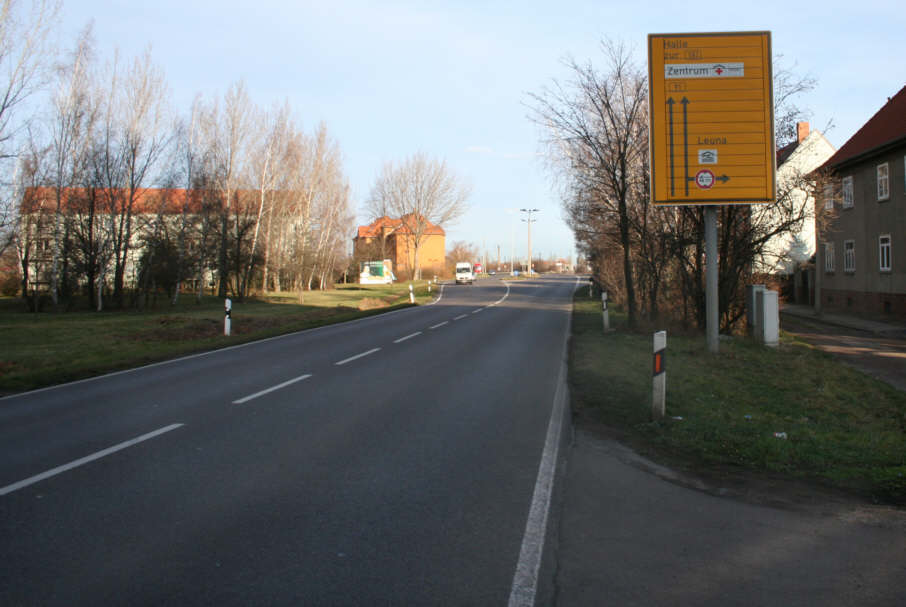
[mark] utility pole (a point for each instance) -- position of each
(529, 222)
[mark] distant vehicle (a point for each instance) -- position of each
(376, 272)
(477, 268)
(464, 273)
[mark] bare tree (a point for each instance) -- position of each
(265, 173)
(70, 127)
(420, 191)
(186, 158)
(597, 130)
(228, 137)
(24, 58)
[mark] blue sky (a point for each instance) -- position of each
(451, 78)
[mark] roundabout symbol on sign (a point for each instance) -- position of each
(704, 179)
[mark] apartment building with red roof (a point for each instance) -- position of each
(861, 256)
(395, 239)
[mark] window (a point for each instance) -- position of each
(828, 257)
(883, 181)
(828, 196)
(847, 192)
(884, 252)
(849, 255)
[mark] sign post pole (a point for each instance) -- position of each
(711, 293)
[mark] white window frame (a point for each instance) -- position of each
(828, 196)
(883, 181)
(848, 201)
(828, 257)
(849, 256)
(885, 253)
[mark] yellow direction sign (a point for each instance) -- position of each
(712, 118)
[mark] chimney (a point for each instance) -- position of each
(801, 131)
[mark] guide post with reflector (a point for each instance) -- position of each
(659, 376)
(605, 315)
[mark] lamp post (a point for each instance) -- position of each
(529, 222)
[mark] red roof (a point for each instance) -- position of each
(148, 200)
(887, 126)
(404, 224)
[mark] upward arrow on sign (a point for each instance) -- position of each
(670, 103)
(685, 103)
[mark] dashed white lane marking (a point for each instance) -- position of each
(440, 324)
(477, 311)
(357, 356)
(402, 339)
(245, 399)
(88, 458)
(460, 317)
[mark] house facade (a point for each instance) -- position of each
(788, 252)
(395, 239)
(861, 259)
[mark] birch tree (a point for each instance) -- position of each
(69, 125)
(227, 140)
(24, 58)
(144, 138)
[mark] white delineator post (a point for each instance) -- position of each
(659, 379)
(411, 295)
(604, 313)
(226, 318)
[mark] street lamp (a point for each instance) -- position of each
(529, 221)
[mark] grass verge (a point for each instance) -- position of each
(38, 350)
(843, 428)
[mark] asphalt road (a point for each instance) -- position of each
(392, 460)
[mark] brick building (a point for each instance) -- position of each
(395, 239)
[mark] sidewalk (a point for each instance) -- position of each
(885, 329)
(635, 533)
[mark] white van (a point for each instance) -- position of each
(464, 273)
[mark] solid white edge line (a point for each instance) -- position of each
(357, 356)
(440, 324)
(477, 311)
(245, 399)
(505, 295)
(439, 296)
(460, 317)
(402, 339)
(525, 580)
(89, 458)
